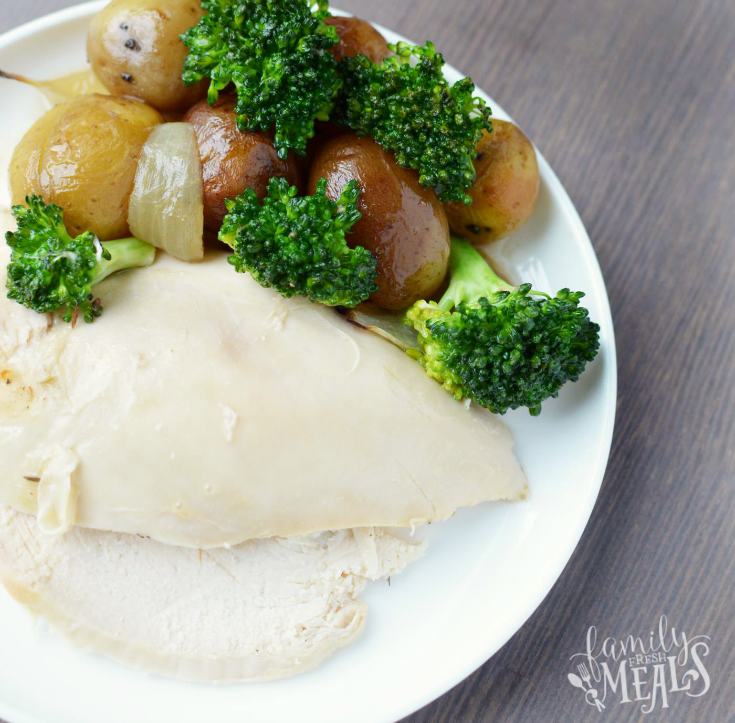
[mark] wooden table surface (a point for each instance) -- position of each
(633, 104)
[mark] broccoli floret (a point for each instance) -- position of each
(50, 270)
(411, 110)
(274, 53)
(297, 244)
(497, 344)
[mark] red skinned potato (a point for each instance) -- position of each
(403, 224)
(505, 191)
(323, 131)
(358, 37)
(135, 49)
(233, 160)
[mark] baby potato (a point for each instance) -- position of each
(323, 132)
(402, 224)
(135, 49)
(506, 188)
(83, 155)
(233, 160)
(358, 37)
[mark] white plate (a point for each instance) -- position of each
(485, 572)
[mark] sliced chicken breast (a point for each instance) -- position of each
(262, 610)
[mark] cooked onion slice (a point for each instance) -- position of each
(167, 207)
(386, 324)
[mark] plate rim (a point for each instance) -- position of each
(609, 379)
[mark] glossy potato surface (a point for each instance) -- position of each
(233, 160)
(402, 224)
(135, 49)
(358, 37)
(83, 155)
(505, 191)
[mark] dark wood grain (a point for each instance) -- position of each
(633, 103)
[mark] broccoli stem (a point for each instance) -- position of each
(125, 253)
(471, 277)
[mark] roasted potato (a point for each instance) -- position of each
(233, 160)
(323, 131)
(505, 192)
(135, 49)
(358, 37)
(402, 224)
(82, 155)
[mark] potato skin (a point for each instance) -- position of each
(134, 49)
(324, 131)
(233, 160)
(402, 224)
(358, 37)
(83, 155)
(506, 188)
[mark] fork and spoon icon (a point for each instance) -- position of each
(576, 681)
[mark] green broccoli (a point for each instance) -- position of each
(495, 343)
(50, 270)
(297, 244)
(274, 52)
(411, 110)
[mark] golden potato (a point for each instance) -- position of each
(82, 155)
(403, 224)
(506, 188)
(234, 160)
(358, 37)
(135, 49)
